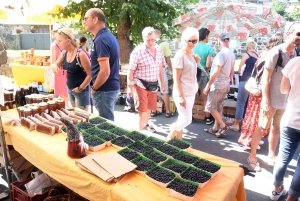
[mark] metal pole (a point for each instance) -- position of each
(4, 153)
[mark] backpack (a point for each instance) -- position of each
(260, 67)
(78, 58)
(3, 53)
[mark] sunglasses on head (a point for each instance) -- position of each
(59, 31)
(192, 41)
(298, 22)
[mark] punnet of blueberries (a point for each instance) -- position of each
(186, 157)
(154, 142)
(135, 136)
(207, 166)
(140, 147)
(184, 187)
(97, 120)
(129, 154)
(107, 136)
(181, 144)
(119, 132)
(122, 141)
(155, 156)
(161, 174)
(175, 166)
(93, 131)
(84, 125)
(106, 126)
(168, 149)
(143, 164)
(92, 142)
(196, 175)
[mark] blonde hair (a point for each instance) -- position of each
(251, 45)
(68, 34)
(188, 33)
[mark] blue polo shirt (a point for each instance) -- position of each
(106, 45)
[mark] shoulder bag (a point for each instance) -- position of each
(251, 85)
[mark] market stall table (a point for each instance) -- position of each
(26, 74)
(49, 153)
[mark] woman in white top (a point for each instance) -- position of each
(185, 81)
(289, 133)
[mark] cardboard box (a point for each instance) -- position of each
(109, 166)
(160, 107)
(198, 112)
(19, 162)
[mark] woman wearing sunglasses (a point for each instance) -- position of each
(185, 81)
(78, 67)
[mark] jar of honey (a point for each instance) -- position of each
(27, 112)
(20, 111)
(35, 110)
(51, 105)
(60, 103)
(43, 107)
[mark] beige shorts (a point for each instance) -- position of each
(215, 100)
(275, 117)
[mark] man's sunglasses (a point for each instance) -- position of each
(192, 41)
(298, 33)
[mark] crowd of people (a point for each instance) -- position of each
(270, 109)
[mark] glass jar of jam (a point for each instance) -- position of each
(60, 103)
(51, 105)
(20, 111)
(43, 107)
(27, 112)
(34, 109)
(50, 96)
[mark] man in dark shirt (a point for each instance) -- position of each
(105, 56)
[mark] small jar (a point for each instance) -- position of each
(50, 96)
(35, 110)
(10, 105)
(20, 111)
(60, 103)
(43, 107)
(28, 99)
(51, 106)
(3, 108)
(27, 112)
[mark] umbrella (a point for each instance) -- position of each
(240, 20)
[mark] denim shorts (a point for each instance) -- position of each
(81, 100)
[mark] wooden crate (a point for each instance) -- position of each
(160, 107)
(198, 112)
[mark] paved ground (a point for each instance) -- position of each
(257, 188)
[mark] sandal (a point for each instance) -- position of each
(222, 131)
(155, 113)
(254, 165)
(169, 114)
(149, 128)
(211, 131)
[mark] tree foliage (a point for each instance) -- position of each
(127, 18)
(291, 11)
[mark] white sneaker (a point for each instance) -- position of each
(235, 128)
(271, 161)
(261, 142)
(276, 196)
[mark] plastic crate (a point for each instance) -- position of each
(19, 192)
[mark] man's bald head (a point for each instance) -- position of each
(98, 13)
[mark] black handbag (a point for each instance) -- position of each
(150, 86)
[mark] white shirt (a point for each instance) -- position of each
(291, 116)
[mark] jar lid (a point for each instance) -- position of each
(21, 108)
(27, 110)
(34, 107)
(51, 102)
(60, 100)
(43, 104)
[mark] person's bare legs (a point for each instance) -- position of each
(218, 119)
(172, 134)
(179, 135)
(143, 119)
(167, 102)
(256, 137)
(273, 140)
(66, 99)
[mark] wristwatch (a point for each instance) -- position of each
(80, 89)
(94, 88)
